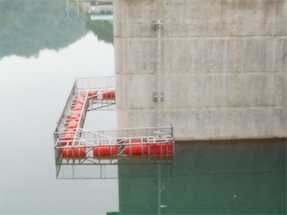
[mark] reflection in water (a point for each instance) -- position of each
(30, 26)
(103, 29)
(86, 168)
(101, 11)
(207, 178)
(106, 167)
(220, 177)
(99, 19)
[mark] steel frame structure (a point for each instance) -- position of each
(93, 91)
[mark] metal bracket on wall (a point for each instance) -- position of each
(157, 24)
(155, 97)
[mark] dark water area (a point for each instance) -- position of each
(45, 46)
(212, 177)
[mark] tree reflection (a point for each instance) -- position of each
(30, 26)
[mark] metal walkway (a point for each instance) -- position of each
(98, 93)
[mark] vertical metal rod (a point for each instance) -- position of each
(159, 189)
(158, 27)
(173, 144)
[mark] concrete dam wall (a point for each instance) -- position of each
(223, 67)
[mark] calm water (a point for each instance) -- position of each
(45, 45)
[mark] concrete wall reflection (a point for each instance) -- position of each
(210, 178)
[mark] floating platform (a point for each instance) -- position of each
(96, 94)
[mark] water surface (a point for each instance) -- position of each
(43, 50)
(45, 45)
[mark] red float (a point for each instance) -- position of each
(92, 93)
(80, 100)
(75, 116)
(72, 124)
(105, 150)
(137, 148)
(83, 93)
(78, 107)
(69, 151)
(69, 135)
(109, 93)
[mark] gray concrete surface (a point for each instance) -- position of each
(224, 66)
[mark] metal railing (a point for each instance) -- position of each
(130, 135)
(100, 92)
(95, 82)
(84, 84)
(66, 108)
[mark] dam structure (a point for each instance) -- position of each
(214, 69)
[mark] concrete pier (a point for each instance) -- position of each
(223, 66)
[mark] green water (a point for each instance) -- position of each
(222, 177)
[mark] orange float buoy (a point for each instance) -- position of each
(109, 93)
(78, 107)
(158, 148)
(92, 93)
(80, 100)
(75, 116)
(72, 124)
(83, 93)
(138, 148)
(105, 150)
(69, 134)
(69, 151)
